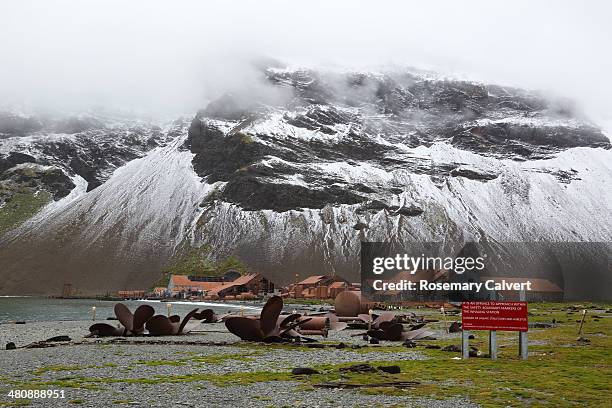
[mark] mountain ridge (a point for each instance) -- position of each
(292, 180)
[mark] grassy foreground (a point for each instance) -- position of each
(562, 371)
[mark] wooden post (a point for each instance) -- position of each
(581, 322)
(465, 344)
(445, 322)
(493, 344)
(93, 313)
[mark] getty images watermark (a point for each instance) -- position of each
(459, 265)
(450, 271)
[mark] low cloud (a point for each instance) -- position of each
(172, 57)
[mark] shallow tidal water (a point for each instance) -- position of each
(31, 309)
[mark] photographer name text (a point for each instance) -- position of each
(406, 285)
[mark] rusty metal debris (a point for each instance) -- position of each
(144, 321)
(348, 304)
(272, 327)
(374, 321)
(388, 326)
(455, 327)
(266, 328)
(160, 325)
(106, 330)
(133, 323)
(396, 332)
(320, 325)
(358, 368)
(351, 385)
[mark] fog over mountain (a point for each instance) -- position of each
(159, 57)
(287, 133)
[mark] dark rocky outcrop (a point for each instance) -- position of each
(358, 118)
(472, 174)
(522, 141)
(252, 193)
(35, 178)
(13, 159)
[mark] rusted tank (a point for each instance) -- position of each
(348, 303)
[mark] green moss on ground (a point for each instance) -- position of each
(245, 138)
(21, 207)
(560, 372)
(16, 403)
(196, 262)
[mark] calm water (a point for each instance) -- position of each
(43, 309)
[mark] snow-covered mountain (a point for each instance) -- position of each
(292, 177)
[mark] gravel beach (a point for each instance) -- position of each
(180, 372)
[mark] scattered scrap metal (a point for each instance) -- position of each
(145, 321)
(272, 327)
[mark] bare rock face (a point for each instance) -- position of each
(387, 156)
(369, 119)
(293, 184)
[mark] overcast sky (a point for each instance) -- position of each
(171, 56)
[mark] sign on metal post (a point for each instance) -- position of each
(495, 316)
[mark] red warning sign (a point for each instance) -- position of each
(507, 316)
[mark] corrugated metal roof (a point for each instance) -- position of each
(182, 281)
(311, 280)
(243, 280)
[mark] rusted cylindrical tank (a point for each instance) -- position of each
(315, 323)
(348, 303)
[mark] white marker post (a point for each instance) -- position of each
(493, 336)
(493, 344)
(581, 323)
(444, 316)
(523, 349)
(465, 344)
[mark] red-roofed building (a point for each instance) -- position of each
(318, 287)
(248, 285)
(131, 294)
(338, 287)
(181, 283)
(253, 283)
